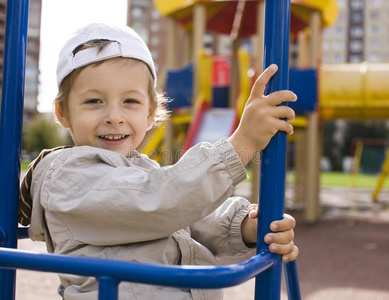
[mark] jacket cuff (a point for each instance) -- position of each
(232, 161)
(237, 242)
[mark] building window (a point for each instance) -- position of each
(154, 40)
(337, 45)
(339, 30)
(374, 57)
(338, 59)
(374, 29)
(356, 46)
(356, 32)
(155, 14)
(155, 27)
(340, 18)
(136, 12)
(141, 3)
(325, 46)
(356, 17)
(375, 14)
(374, 44)
(355, 58)
(155, 54)
(357, 4)
(31, 72)
(342, 3)
(142, 31)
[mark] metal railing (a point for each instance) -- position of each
(265, 266)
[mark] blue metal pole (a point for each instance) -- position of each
(188, 276)
(292, 280)
(108, 288)
(273, 159)
(11, 121)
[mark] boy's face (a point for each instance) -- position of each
(109, 106)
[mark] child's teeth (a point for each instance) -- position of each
(116, 137)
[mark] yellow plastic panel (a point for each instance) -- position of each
(168, 7)
(328, 8)
(302, 8)
(377, 85)
(377, 91)
(341, 91)
(354, 91)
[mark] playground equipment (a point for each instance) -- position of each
(376, 152)
(109, 272)
(354, 91)
(239, 18)
(381, 179)
(197, 16)
(213, 119)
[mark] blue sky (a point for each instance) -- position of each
(60, 18)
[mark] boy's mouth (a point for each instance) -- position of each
(113, 137)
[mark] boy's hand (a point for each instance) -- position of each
(280, 240)
(262, 117)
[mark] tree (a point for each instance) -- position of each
(339, 136)
(42, 134)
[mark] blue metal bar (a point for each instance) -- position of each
(11, 122)
(273, 159)
(202, 277)
(108, 288)
(292, 280)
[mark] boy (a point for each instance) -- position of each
(103, 199)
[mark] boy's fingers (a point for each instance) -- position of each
(281, 248)
(284, 126)
(253, 214)
(292, 255)
(253, 211)
(284, 237)
(260, 84)
(284, 112)
(287, 223)
(279, 97)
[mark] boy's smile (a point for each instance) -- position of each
(109, 106)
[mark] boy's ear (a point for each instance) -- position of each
(150, 121)
(61, 117)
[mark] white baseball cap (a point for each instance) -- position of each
(127, 44)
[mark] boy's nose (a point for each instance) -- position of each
(114, 116)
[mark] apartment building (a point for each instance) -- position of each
(146, 20)
(361, 33)
(32, 63)
(32, 60)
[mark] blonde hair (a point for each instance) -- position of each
(158, 100)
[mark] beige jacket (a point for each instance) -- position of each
(93, 202)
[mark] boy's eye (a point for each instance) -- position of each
(131, 101)
(93, 101)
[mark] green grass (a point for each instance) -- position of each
(24, 165)
(339, 179)
(349, 180)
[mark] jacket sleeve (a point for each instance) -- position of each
(221, 232)
(92, 196)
